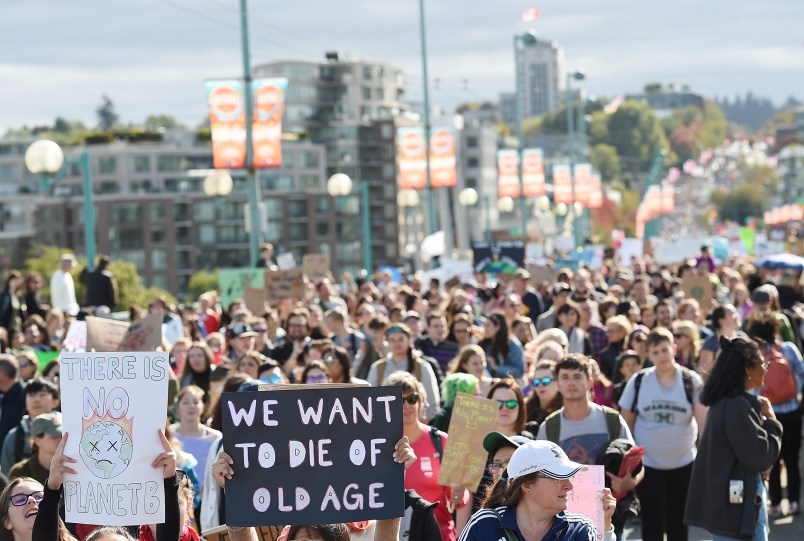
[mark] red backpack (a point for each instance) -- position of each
(780, 383)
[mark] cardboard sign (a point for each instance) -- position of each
(498, 257)
(145, 334)
(586, 497)
(464, 458)
(284, 284)
(286, 261)
(76, 337)
(255, 298)
(313, 456)
(315, 266)
(700, 289)
(540, 273)
(631, 248)
(264, 533)
(105, 334)
(113, 405)
(232, 283)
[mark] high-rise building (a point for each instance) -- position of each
(541, 66)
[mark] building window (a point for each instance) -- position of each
(206, 234)
(297, 209)
(157, 212)
(386, 131)
(139, 164)
(472, 162)
(160, 281)
(310, 182)
(159, 260)
(367, 73)
(322, 205)
(204, 210)
(107, 165)
(107, 187)
(157, 236)
(272, 232)
(131, 239)
(298, 232)
(309, 159)
(471, 142)
(379, 94)
(274, 208)
(126, 213)
(322, 229)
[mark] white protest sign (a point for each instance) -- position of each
(286, 261)
(76, 337)
(630, 248)
(113, 405)
(586, 497)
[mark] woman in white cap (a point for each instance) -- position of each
(539, 478)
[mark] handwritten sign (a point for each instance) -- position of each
(105, 334)
(76, 337)
(313, 455)
(232, 283)
(464, 458)
(586, 497)
(284, 284)
(315, 266)
(286, 261)
(255, 298)
(700, 289)
(144, 335)
(540, 274)
(113, 405)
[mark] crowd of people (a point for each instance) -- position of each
(596, 366)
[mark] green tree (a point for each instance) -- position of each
(739, 203)
(637, 134)
(156, 122)
(202, 281)
(604, 158)
(107, 116)
(598, 128)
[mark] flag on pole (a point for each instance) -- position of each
(613, 105)
(530, 15)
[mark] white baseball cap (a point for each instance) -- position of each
(543, 457)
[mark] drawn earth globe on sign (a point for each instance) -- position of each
(106, 449)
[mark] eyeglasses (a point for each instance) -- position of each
(542, 381)
(273, 378)
(259, 329)
(18, 500)
(317, 379)
(329, 359)
(510, 404)
(496, 467)
(460, 330)
(412, 399)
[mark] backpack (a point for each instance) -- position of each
(553, 424)
(510, 535)
(780, 383)
(686, 379)
(436, 439)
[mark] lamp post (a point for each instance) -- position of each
(46, 158)
(253, 188)
(427, 127)
(577, 75)
(528, 38)
(409, 200)
(468, 197)
(218, 184)
(340, 185)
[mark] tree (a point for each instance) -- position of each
(107, 117)
(637, 134)
(604, 158)
(201, 282)
(739, 203)
(156, 122)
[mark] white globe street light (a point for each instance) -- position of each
(561, 209)
(218, 184)
(407, 198)
(543, 203)
(505, 204)
(339, 185)
(468, 197)
(44, 157)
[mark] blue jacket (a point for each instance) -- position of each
(485, 526)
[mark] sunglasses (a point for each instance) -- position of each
(510, 404)
(329, 359)
(542, 381)
(317, 379)
(273, 378)
(18, 500)
(411, 399)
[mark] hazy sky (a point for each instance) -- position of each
(59, 57)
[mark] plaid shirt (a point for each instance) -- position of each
(597, 337)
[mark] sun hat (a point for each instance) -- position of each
(542, 457)
(494, 441)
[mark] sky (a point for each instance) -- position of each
(59, 58)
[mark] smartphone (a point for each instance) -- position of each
(736, 491)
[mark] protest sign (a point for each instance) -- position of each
(76, 337)
(540, 273)
(232, 283)
(586, 497)
(255, 299)
(315, 266)
(498, 257)
(44, 357)
(264, 533)
(631, 248)
(284, 284)
(700, 289)
(113, 406)
(105, 334)
(144, 335)
(313, 456)
(286, 261)
(464, 458)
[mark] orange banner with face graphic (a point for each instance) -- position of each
(562, 184)
(410, 158)
(583, 183)
(443, 171)
(508, 173)
(227, 120)
(533, 172)
(269, 104)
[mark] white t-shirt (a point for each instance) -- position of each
(585, 440)
(664, 425)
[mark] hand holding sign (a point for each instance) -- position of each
(403, 452)
(609, 506)
(166, 460)
(58, 467)
(222, 469)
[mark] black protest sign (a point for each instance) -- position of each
(313, 456)
(498, 257)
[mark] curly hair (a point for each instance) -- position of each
(728, 375)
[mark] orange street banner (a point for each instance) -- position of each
(533, 172)
(583, 183)
(227, 120)
(269, 104)
(596, 193)
(562, 184)
(508, 173)
(443, 171)
(410, 158)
